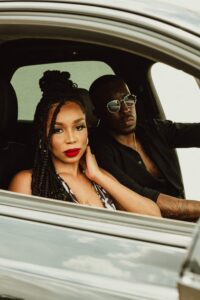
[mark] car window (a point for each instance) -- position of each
(179, 95)
(26, 81)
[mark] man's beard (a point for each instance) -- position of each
(124, 132)
(119, 131)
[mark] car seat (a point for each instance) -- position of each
(91, 118)
(14, 156)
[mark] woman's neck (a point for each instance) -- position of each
(71, 169)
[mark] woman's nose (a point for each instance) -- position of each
(70, 138)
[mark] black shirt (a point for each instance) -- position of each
(159, 138)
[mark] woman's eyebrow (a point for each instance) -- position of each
(58, 123)
(79, 120)
(75, 122)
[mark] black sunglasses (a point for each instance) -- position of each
(114, 105)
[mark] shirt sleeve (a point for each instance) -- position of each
(104, 156)
(179, 135)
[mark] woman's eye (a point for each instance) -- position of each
(57, 130)
(80, 127)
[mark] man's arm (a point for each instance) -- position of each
(181, 209)
(171, 207)
(179, 135)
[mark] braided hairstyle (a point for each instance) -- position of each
(57, 89)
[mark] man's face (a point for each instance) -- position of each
(123, 121)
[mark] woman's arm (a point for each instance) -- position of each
(21, 183)
(123, 196)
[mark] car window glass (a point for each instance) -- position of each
(179, 95)
(26, 81)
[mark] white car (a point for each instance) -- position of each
(55, 250)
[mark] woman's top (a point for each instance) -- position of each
(103, 195)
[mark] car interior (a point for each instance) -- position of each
(17, 132)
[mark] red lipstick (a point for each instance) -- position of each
(72, 152)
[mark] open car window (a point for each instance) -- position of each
(179, 95)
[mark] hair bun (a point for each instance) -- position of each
(56, 82)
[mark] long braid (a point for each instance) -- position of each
(57, 89)
(51, 179)
(42, 151)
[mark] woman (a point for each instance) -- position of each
(64, 166)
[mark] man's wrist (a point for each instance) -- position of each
(176, 208)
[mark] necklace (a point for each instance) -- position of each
(135, 143)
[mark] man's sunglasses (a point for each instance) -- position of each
(114, 105)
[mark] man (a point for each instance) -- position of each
(141, 156)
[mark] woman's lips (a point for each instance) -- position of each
(72, 152)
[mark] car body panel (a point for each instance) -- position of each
(133, 31)
(180, 13)
(60, 248)
(87, 259)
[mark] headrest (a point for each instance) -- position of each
(8, 108)
(92, 119)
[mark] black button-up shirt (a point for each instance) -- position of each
(159, 138)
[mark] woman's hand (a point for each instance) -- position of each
(92, 170)
(125, 198)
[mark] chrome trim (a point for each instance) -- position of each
(122, 224)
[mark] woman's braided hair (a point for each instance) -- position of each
(57, 89)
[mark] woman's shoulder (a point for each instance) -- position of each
(24, 174)
(21, 182)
